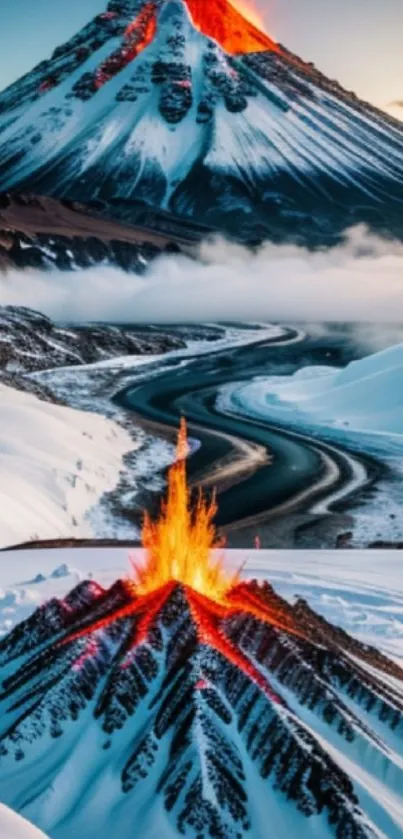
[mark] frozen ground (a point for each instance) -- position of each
(363, 397)
(55, 465)
(361, 591)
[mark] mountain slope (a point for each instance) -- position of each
(198, 719)
(188, 107)
(42, 232)
(56, 464)
(30, 341)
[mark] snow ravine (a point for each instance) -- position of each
(56, 463)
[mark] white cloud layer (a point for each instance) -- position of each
(360, 280)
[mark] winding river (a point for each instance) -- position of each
(261, 471)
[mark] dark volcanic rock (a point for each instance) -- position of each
(30, 341)
(206, 716)
(42, 233)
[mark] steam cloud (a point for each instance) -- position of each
(359, 280)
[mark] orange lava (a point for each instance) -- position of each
(179, 544)
(181, 549)
(207, 621)
(141, 30)
(236, 31)
(137, 37)
(248, 10)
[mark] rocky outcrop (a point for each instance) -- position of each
(30, 341)
(42, 233)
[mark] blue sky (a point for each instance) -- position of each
(359, 42)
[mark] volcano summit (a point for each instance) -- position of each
(187, 106)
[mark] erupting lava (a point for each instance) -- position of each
(237, 30)
(179, 544)
(197, 683)
(249, 11)
(179, 553)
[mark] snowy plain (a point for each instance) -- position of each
(55, 465)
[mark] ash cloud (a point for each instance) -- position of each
(359, 280)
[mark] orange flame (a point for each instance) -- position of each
(179, 545)
(179, 549)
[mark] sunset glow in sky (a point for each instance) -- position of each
(358, 42)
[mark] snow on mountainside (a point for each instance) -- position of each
(188, 107)
(55, 464)
(13, 826)
(365, 396)
(181, 717)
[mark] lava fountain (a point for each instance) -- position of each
(179, 545)
(183, 554)
(182, 550)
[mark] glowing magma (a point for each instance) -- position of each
(179, 552)
(219, 19)
(179, 544)
(137, 37)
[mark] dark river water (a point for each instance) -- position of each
(295, 467)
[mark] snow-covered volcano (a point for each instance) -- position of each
(185, 105)
(168, 713)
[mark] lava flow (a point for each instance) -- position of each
(179, 544)
(137, 36)
(237, 30)
(182, 551)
